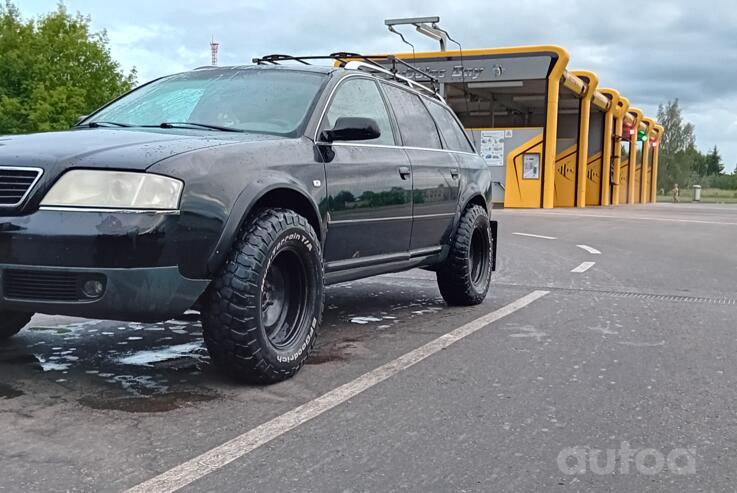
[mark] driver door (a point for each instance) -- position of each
(369, 182)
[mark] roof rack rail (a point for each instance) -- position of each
(354, 61)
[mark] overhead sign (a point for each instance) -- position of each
(477, 69)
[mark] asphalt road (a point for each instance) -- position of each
(632, 350)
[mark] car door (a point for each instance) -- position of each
(435, 172)
(369, 183)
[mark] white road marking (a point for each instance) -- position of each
(212, 460)
(536, 236)
(583, 267)
(621, 217)
(589, 249)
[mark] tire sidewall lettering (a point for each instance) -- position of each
(306, 247)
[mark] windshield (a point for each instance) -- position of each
(248, 100)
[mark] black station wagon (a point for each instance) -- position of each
(241, 192)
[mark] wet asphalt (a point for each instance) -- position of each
(640, 349)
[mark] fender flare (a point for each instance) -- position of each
(243, 205)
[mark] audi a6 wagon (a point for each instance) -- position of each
(241, 192)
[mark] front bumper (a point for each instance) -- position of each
(143, 294)
(46, 258)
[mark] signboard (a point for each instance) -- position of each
(491, 147)
(479, 68)
(531, 166)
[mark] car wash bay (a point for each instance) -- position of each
(551, 137)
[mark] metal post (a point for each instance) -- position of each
(424, 25)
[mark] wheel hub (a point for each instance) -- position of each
(479, 256)
(283, 298)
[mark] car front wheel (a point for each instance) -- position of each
(265, 306)
(465, 276)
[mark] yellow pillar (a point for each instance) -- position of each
(592, 82)
(656, 155)
(551, 128)
(637, 113)
(606, 150)
(617, 161)
(644, 184)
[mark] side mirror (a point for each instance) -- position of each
(352, 128)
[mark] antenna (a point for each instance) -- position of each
(214, 46)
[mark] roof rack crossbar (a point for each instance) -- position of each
(356, 61)
(275, 58)
(396, 60)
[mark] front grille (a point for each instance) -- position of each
(16, 183)
(41, 285)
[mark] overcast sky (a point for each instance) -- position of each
(649, 50)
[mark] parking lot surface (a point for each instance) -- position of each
(630, 338)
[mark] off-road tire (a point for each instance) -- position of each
(465, 275)
(12, 322)
(237, 310)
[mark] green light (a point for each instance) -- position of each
(641, 135)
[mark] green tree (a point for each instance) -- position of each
(699, 166)
(681, 170)
(53, 69)
(677, 161)
(713, 163)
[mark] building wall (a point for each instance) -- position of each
(509, 185)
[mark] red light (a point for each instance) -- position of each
(632, 131)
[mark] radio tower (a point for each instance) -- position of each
(214, 45)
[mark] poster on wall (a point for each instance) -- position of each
(531, 166)
(492, 146)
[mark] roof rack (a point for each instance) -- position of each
(354, 61)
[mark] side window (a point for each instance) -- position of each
(415, 123)
(455, 136)
(360, 98)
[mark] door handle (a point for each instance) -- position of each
(404, 172)
(454, 173)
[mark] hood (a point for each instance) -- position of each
(121, 149)
(134, 149)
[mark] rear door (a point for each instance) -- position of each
(369, 182)
(435, 171)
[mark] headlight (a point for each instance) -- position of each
(114, 190)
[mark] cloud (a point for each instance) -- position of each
(650, 51)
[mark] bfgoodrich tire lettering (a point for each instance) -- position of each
(465, 276)
(12, 322)
(265, 306)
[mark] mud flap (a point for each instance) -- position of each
(494, 235)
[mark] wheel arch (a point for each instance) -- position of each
(476, 199)
(271, 191)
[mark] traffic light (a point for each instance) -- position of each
(641, 136)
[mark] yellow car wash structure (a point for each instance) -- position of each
(551, 136)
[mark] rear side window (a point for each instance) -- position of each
(455, 136)
(415, 123)
(359, 97)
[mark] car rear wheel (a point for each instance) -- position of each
(264, 308)
(12, 322)
(465, 276)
